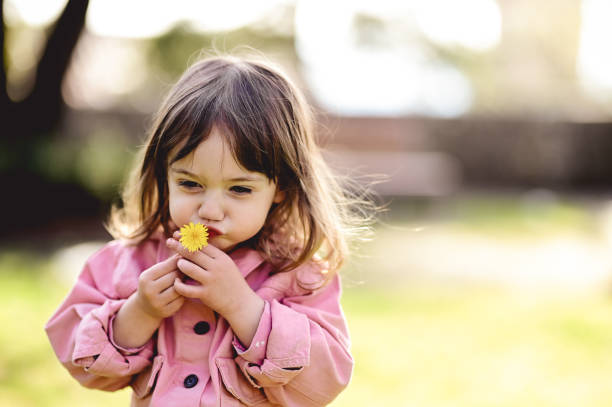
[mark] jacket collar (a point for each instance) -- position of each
(247, 259)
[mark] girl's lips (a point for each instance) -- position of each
(212, 232)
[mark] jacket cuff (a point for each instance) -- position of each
(286, 349)
(124, 351)
(256, 352)
(96, 352)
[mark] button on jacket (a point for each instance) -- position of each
(299, 355)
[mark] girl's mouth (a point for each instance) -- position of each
(212, 232)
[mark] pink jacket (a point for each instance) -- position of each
(298, 357)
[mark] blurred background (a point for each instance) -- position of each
(485, 127)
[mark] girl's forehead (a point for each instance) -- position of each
(215, 144)
(213, 156)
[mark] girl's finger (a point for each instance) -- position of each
(198, 257)
(163, 267)
(186, 290)
(165, 280)
(192, 270)
(212, 251)
(168, 295)
(174, 305)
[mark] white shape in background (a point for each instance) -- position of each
(227, 14)
(474, 24)
(446, 92)
(594, 64)
(145, 18)
(148, 18)
(35, 12)
(68, 262)
(132, 18)
(107, 84)
(397, 79)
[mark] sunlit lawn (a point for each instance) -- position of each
(415, 343)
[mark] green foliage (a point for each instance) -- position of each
(171, 53)
(103, 161)
(98, 162)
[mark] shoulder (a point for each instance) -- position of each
(119, 252)
(307, 278)
(114, 268)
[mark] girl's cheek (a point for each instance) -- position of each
(181, 209)
(174, 210)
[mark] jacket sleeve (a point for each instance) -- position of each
(80, 331)
(300, 355)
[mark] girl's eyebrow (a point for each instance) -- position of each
(249, 178)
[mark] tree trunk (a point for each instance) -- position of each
(31, 198)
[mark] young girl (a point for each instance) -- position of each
(254, 317)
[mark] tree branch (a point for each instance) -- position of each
(4, 100)
(46, 98)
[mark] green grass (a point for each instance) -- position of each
(29, 373)
(538, 214)
(478, 347)
(419, 345)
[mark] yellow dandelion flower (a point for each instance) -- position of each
(194, 236)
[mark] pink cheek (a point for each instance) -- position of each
(178, 209)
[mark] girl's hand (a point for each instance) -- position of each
(221, 286)
(156, 295)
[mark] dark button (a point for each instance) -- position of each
(201, 327)
(190, 381)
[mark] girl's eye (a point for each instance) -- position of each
(241, 190)
(188, 184)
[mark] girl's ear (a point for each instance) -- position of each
(279, 196)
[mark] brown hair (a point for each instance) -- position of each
(269, 129)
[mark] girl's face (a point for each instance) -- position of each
(208, 186)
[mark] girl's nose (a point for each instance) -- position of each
(211, 208)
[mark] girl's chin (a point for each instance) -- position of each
(218, 244)
(224, 247)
